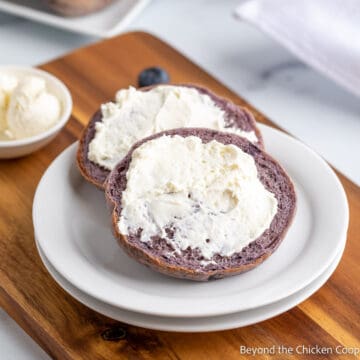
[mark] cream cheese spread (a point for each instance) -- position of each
(27, 108)
(137, 114)
(209, 195)
(7, 85)
(32, 108)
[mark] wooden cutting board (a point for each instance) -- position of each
(67, 329)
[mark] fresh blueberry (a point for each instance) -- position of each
(153, 76)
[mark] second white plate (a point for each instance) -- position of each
(72, 226)
(104, 23)
(214, 323)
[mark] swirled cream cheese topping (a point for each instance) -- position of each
(27, 107)
(137, 114)
(208, 195)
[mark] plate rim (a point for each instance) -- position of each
(46, 18)
(282, 306)
(212, 310)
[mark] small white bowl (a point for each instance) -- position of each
(16, 148)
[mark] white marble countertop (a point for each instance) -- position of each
(293, 95)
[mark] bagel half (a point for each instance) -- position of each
(189, 263)
(236, 116)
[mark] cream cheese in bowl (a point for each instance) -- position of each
(34, 106)
(27, 106)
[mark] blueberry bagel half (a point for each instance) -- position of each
(199, 204)
(138, 113)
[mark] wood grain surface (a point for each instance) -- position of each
(67, 329)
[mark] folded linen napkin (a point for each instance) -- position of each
(323, 33)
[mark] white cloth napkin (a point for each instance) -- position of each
(323, 33)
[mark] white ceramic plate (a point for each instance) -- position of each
(214, 323)
(72, 225)
(105, 23)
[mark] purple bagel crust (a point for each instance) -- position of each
(236, 116)
(187, 265)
